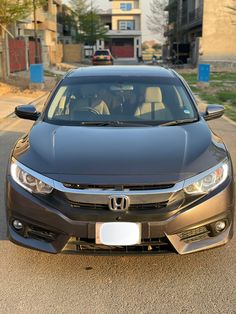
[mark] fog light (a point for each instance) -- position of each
(17, 224)
(220, 226)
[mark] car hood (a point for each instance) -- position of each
(119, 154)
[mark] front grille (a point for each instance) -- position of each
(150, 206)
(86, 246)
(118, 187)
(194, 235)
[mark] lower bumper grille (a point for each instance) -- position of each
(86, 246)
(194, 235)
(40, 234)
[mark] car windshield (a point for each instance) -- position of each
(137, 100)
(102, 53)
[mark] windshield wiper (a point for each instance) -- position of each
(113, 123)
(178, 122)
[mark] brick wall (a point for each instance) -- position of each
(72, 53)
(56, 54)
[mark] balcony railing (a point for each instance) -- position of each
(131, 12)
(193, 17)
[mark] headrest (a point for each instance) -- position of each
(73, 105)
(153, 94)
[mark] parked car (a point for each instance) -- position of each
(120, 161)
(102, 57)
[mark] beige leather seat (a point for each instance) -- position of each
(153, 107)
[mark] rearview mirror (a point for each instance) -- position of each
(213, 112)
(121, 88)
(28, 112)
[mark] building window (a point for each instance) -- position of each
(126, 25)
(137, 42)
(126, 6)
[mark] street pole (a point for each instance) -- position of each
(5, 62)
(35, 34)
(92, 26)
(3, 36)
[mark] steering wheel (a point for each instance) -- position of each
(92, 110)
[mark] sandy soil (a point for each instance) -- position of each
(9, 89)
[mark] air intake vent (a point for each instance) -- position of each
(118, 187)
(131, 207)
(149, 246)
(194, 235)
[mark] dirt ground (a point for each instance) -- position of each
(10, 89)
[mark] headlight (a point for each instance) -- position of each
(30, 180)
(208, 180)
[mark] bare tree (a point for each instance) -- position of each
(80, 7)
(232, 7)
(158, 17)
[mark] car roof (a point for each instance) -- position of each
(146, 71)
(102, 50)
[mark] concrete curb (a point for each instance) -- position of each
(229, 120)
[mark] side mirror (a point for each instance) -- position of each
(28, 112)
(213, 112)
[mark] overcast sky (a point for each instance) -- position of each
(147, 35)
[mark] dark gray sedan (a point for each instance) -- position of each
(120, 161)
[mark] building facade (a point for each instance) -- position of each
(205, 28)
(184, 28)
(218, 42)
(67, 25)
(47, 31)
(124, 29)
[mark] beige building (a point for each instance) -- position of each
(46, 30)
(205, 31)
(218, 41)
(124, 29)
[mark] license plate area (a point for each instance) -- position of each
(118, 233)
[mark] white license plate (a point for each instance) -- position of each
(118, 233)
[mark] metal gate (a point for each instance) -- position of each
(17, 55)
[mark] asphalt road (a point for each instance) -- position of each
(33, 282)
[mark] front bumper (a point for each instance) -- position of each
(187, 230)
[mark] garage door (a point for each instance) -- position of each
(123, 47)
